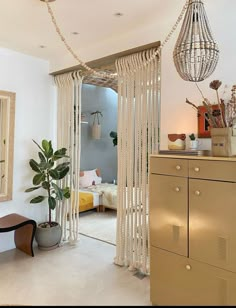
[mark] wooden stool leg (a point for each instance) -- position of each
(24, 238)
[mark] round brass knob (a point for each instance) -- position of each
(197, 193)
(177, 189)
(178, 167)
(188, 267)
(197, 169)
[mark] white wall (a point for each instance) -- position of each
(176, 115)
(35, 92)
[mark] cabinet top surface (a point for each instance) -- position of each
(193, 157)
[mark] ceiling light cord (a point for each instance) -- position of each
(110, 75)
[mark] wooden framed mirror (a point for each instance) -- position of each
(7, 123)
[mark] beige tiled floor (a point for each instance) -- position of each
(78, 275)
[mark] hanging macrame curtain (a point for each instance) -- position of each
(138, 98)
(68, 135)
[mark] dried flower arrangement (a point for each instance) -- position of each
(226, 113)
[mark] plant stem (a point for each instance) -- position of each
(49, 195)
(221, 113)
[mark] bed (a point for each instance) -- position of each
(88, 199)
(107, 193)
(95, 194)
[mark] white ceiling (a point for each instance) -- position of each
(26, 24)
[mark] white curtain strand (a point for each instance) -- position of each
(138, 95)
(68, 135)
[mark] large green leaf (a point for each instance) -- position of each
(32, 189)
(34, 165)
(56, 157)
(61, 167)
(54, 174)
(66, 192)
(61, 151)
(46, 165)
(41, 157)
(58, 191)
(63, 173)
(46, 185)
(47, 146)
(38, 178)
(37, 199)
(52, 202)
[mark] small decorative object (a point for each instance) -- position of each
(196, 53)
(220, 120)
(194, 142)
(176, 141)
(192, 137)
(204, 128)
(96, 127)
(48, 177)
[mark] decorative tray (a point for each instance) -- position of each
(186, 152)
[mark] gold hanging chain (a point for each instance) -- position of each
(111, 75)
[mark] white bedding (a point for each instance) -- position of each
(108, 194)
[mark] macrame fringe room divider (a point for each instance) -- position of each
(68, 135)
(138, 99)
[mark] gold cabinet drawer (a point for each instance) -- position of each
(179, 281)
(213, 170)
(169, 166)
(169, 213)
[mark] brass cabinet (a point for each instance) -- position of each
(192, 231)
(179, 281)
(212, 225)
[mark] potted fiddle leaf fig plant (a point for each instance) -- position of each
(48, 178)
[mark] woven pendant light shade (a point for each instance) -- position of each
(196, 53)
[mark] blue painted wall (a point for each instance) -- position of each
(99, 153)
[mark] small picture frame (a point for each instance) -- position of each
(204, 130)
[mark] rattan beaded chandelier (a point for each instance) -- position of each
(196, 53)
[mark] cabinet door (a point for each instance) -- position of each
(179, 281)
(168, 213)
(212, 223)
